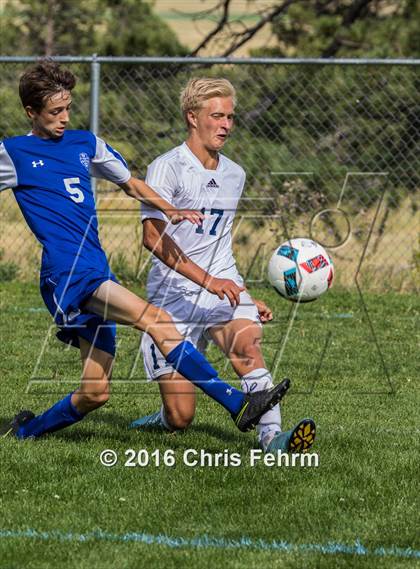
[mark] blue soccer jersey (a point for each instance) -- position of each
(51, 182)
(50, 179)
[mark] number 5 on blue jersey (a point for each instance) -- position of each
(75, 192)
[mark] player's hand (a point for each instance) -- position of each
(224, 287)
(264, 311)
(191, 215)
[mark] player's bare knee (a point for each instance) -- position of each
(151, 319)
(137, 316)
(95, 397)
(160, 326)
(179, 418)
(142, 316)
(157, 317)
(248, 352)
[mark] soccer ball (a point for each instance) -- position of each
(300, 270)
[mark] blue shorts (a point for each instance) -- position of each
(65, 293)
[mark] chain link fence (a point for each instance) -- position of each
(331, 150)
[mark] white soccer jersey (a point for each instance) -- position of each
(180, 178)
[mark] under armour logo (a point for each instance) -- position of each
(39, 163)
(212, 184)
(229, 392)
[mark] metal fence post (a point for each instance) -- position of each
(95, 75)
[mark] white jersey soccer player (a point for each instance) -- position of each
(194, 275)
(181, 178)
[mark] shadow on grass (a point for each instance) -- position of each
(121, 432)
(228, 433)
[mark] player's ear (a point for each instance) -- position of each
(30, 112)
(192, 119)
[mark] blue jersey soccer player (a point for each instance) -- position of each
(196, 174)
(49, 172)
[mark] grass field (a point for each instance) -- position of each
(59, 507)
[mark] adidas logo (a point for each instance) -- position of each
(212, 184)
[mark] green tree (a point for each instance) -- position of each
(349, 28)
(316, 28)
(52, 27)
(68, 27)
(134, 30)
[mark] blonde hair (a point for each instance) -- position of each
(201, 89)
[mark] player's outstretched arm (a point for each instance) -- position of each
(140, 191)
(160, 244)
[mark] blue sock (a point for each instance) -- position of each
(60, 415)
(194, 366)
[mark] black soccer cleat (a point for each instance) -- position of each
(11, 428)
(256, 404)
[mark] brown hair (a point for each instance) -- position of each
(43, 80)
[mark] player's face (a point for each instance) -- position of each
(52, 120)
(214, 122)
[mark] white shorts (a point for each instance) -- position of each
(193, 315)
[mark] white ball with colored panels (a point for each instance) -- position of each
(301, 270)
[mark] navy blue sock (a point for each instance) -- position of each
(194, 366)
(60, 415)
